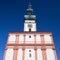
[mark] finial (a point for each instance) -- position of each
(29, 1)
(29, 10)
(30, 6)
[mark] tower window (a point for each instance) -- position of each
(29, 36)
(29, 30)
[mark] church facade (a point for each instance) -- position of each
(30, 44)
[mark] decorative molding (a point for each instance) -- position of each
(41, 33)
(29, 44)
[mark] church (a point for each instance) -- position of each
(30, 44)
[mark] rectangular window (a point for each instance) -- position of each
(29, 55)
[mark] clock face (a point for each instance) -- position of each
(30, 25)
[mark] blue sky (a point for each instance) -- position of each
(12, 19)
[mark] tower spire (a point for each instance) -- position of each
(29, 15)
(30, 6)
(29, 3)
(29, 10)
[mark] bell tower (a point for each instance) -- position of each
(29, 20)
(30, 44)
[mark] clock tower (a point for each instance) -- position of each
(29, 20)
